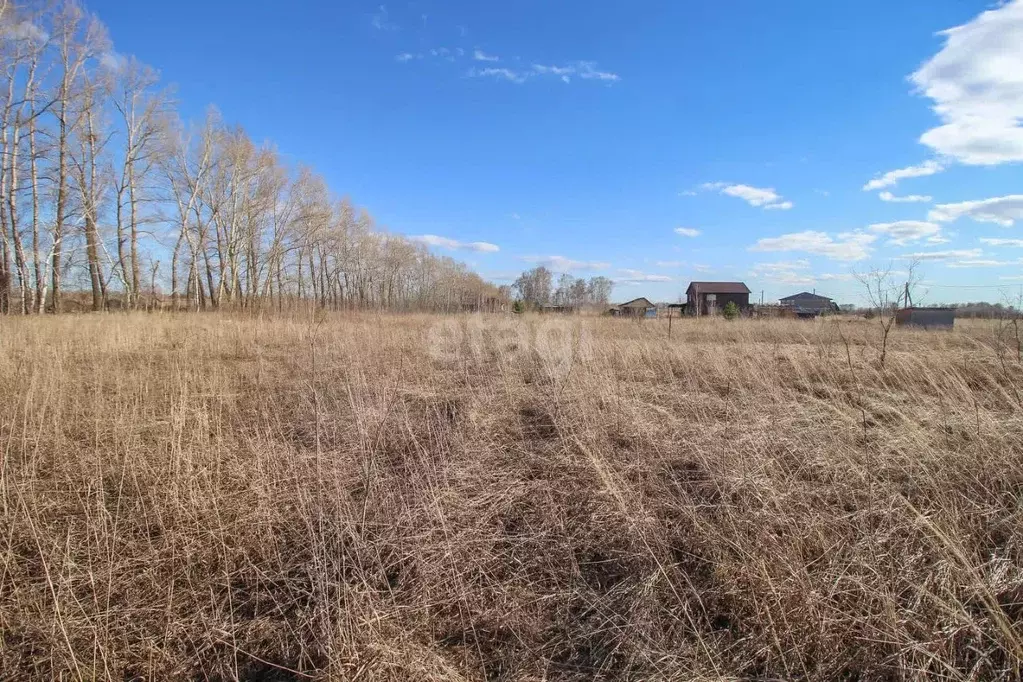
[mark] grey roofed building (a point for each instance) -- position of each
(805, 304)
(637, 307)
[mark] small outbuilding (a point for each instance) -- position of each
(559, 309)
(710, 298)
(927, 318)
(807, 305)
(637, 307)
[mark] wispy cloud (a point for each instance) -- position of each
(1004, 211)
(907, 199)
(454, 244)
(562, 264)
(589, 71)
(24, 30)
(669, 263)
(944, 255)
(836, 276)
(638, 277)
(974, 82)
(407, 56)
(499, 73)
(112, 61)
(381, 20)
(762, 197)
(581, 69)
(991, 241)
(784, 272)
(891, 178)
(983, 263)
(845, 246)
(687, 231)
(902, 232)
(481, 56)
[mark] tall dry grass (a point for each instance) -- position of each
(420, 498)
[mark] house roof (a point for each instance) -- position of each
(718, 288)
(637, 303)
(805, 295)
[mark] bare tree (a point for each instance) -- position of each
(887, 290)
(143, 115)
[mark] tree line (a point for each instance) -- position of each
(107, 195)
(536, 288)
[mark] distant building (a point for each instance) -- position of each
(710, 298)
(805, 304)
(559, 309)
(637, 307)
(927, 318)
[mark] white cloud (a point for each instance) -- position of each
(837, 276)
(687, 193)
(505, 74)
(801, 264)
(792, 278)
(938, 239)
(580, 69)
(823, 192)
(908, 199)
(25, 30)
(983, 263)
(381, 22)
(1002, 242)
(589, 71)
(407, 57)
(687, 231)
(891, 178)
(764, 197)
(481, 56)
(443, 53)
(1002, 211)
(784, 272)
(669, 263)
(112, 61)
(754, 196)
(454, 244)
(902, 232)
(944, 255)
(554, 70)
(701, 268)
(638, 277)
(845, 246)
(562, 264)
(976, 83)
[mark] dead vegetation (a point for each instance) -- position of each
(422, 498)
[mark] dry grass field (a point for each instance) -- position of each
(383, 497)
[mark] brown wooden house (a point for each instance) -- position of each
(710, 298)
(637, 307)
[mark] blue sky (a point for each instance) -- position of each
(652, 142)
